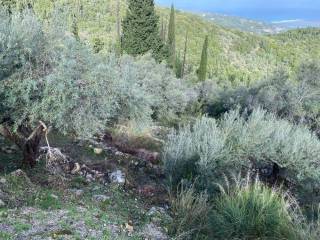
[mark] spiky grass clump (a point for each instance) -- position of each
(251, 210)
(190, 214)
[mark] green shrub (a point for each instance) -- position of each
(295, 98)
(208, 148)
(253, 211)
(190, 212)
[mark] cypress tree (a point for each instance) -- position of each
(178, 66)
(141, 31)
(75, 28)
(172, 39)
(184, 55)
(202, 71)
(118, 26)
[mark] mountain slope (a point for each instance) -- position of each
(234, 56)
(242, 24)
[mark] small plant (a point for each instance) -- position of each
(190, 211)
(250, 210)
(47, 200)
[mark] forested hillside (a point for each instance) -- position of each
(234, 56)
(122, 120)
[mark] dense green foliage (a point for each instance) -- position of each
(171, 42)
(191, 212)
(54, 78)
(141, 30)
(60, 64)
(202, 71)
(294, 98)
(234, 57)
(209, 148)
(248, 210)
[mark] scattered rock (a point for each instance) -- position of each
(153, 232)
(8, 150)
(54, 196)
(56, 161)
(3, 181)
(77, 192)
(118, 177)
(98, 151)
(2, 204)
(156, 211)
(118, 153)
(100, 198)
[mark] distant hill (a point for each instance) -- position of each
(296, 23)
(260, 27)
(243, 24)
(237, 57)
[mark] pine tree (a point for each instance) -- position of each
(141, 30)
(172, 39)
(202, 71)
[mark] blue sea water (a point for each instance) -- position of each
(264, 10)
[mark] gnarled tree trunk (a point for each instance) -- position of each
(28, 143)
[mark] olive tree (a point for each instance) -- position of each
(50, 77)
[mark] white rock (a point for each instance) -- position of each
(98, 151)
(151, 231)
(118, 177)
(100, 198)
(77, 192)
(156, 211)
(3, 181)
(54, 196)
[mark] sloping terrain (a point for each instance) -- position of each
(234, 56)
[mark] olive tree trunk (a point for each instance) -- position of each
(29, 144)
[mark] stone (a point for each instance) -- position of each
(151, 231)
(2, 204)
(54, 196)
(98, 151)
(118, 177)
(77, 192)
(156, 211)
(3, 181)
(100, 198)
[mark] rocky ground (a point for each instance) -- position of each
(106, 194)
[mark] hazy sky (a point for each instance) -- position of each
(268, 10)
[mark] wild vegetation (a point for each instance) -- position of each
(113, 108)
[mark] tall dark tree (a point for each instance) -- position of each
(75, 27)
(183, 67)
(202, 71)
(118, 28)
(118, 20)
(141, 31)
(172, 39)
